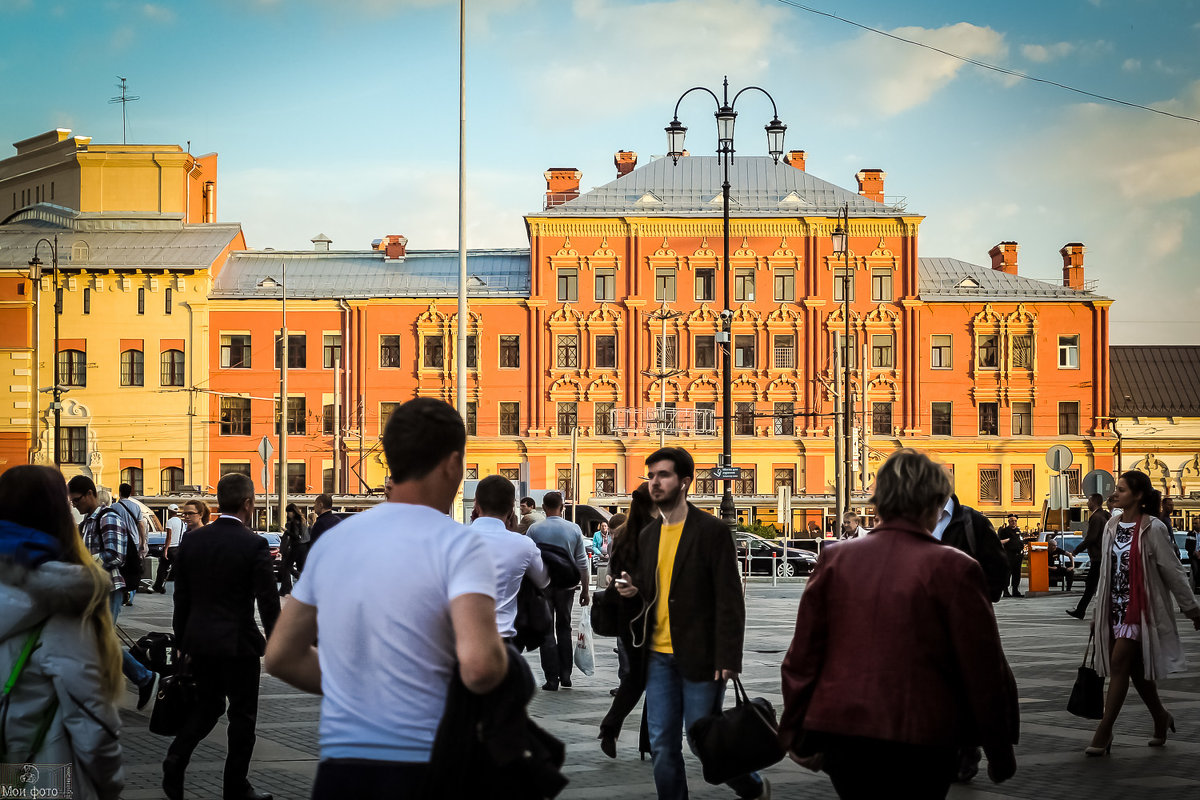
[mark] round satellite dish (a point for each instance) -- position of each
(1059, 457)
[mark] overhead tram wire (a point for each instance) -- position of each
(983, 64)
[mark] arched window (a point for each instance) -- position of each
(133, 476)
(72, 368)
(171, 363)
(172, 480)
(133, 368)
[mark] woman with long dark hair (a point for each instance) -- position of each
(631, 641)
(1134, 618)
(54, 609)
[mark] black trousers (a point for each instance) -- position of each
(633, 684)
(339, 778)
(869, 769)
(1089, 586)
(295, 557)
(558, 649)
(1014, 564)
(164, 568)
(218, 680)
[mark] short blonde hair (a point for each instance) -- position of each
(910, 486)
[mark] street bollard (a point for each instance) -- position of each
(1039, 567)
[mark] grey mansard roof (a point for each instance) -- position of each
(334, 274)
(758, 188)
(951, 280)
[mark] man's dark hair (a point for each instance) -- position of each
(325, 500)
(552, 501)
(529, 501)
(495, 496)
(125, 490)
(419, 435)
(81, 484)
(232, 491)
(685, 467)
(1096, 498)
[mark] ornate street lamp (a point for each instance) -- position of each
(35, 273)
(726, 116)
(841, 244)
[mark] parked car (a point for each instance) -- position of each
(273, 540)
(1180, 542)
(766, 557)
(155, 540)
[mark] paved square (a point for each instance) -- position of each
(1044, 646)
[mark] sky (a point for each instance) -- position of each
(341, 116)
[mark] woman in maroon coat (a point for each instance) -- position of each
(896, 662)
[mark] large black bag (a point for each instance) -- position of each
(533, 621)
(1087, 695)
(131, 568)
(175, 703)
(737, 740)
(605, 605)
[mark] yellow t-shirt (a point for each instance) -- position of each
(668, 545)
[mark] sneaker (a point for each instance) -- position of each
(146, 691)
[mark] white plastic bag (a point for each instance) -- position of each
(585, 650)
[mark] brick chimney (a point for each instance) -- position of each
(1004, 257)
(1073, 265)
(625, 161)
(562, 184)
(796, 159)
(393, 247)
(870, 184)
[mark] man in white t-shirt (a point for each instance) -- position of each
(401, 594)
(514, 555)
(175, 529)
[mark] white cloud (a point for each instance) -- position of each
(1041, 53)
(897, 76)
(158, 13)
(122, 38)
(612, 46)
(1131, 65)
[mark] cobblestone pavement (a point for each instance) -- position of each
(1044, 647)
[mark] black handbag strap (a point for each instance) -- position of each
(739, 693)
(1090, 646)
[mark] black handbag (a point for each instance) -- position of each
(738, 740)
(604, 612)
(1087, 696)
(174, 704)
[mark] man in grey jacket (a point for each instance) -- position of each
(557, 650)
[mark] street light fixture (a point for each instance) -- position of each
(35, 273)
(271, 283)
(726, 117)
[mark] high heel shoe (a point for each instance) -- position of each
(1159, 741)
(608, 744)
(1099, 751)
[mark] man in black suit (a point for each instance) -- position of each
(1093, 543)
(688, 579)
(219, 571)
(326, 519)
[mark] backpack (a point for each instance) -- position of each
(156, 652)
(131, 568)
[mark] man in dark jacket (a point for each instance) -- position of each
(326, 519)
(1014, 548)
(219, 573)
(1092, 542)
(687, 577)
(966, 529)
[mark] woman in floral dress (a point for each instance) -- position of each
(1134, 622)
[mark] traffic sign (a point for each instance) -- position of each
(1059, 457)
(1099, 481)
(726, 473)
(265, 449)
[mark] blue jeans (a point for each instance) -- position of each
(132, 668)
(673, 704)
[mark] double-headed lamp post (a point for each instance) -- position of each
(841, 244)
(726, 117)
(35, 274)
(271, 283)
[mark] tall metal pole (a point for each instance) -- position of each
(337, 425)
(462, 210)
(283, 401)
(728, 512)
(847, 363)
(864, 450)
(839, 452)
(57, 378)
(35, 272)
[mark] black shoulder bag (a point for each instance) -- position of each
(1087, 696)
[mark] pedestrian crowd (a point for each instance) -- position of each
(411, 628)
